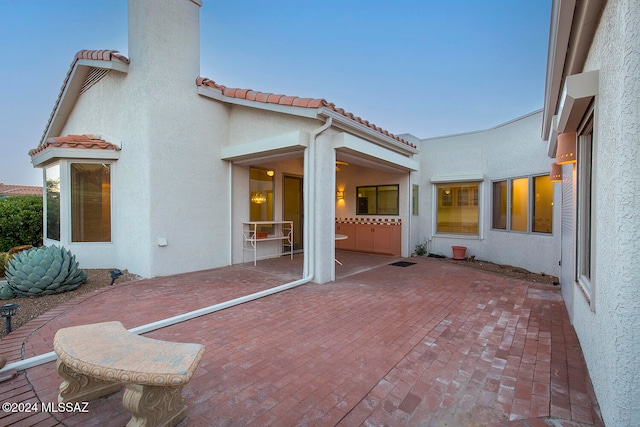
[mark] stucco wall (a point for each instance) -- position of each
(508, 151)
(169, 181)
(610, 334)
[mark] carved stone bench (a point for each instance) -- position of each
(95, 360)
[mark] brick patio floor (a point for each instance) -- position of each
(431, 344)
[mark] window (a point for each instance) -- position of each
(519, 204)
(90, 202)
(583, 202)
(414, 200)
(457, 208)
(378, 200)
(500, 205)
(261, 197)
(542, 204)
(523, 204)
(52, 190)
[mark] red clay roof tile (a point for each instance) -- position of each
(272, 98)
(91, 142)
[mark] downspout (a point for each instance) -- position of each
(308, 270)
(230, 261)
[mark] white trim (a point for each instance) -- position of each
(51, 154)
(457, 178)
(553, 138)
(270, 149)
(362, 150)
(561, 25)
(577, 94)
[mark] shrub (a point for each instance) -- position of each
(20, 221)
(422, 248)
(44, 271)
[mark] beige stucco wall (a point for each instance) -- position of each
(508, 151)
(610, 332)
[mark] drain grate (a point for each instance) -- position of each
(402, 263)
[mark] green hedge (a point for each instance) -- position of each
(20, 221)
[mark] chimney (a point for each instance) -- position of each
(164, 40)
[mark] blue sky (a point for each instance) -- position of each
(423, 67)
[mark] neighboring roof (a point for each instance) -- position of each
(76, 82)
(7, 190)
(294, 101)
(91, 142)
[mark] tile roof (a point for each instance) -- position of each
(19, 190)
(272, 98)
(91, 142)
(102, 55)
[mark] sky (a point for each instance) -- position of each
(424, 67)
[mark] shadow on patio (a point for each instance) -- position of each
(431, 344)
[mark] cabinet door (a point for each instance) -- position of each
(348, 230)
(383, 239)
(364, 238)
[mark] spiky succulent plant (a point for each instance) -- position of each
(44, 271)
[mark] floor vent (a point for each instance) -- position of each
(402, 263)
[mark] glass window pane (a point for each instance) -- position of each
(500, 205)
(585, 188)
(52, 179)
(542, 204)
(366, 201)
(457, 211)
(414, 209)
(261, 198)
(388, 200)
(519, 204)
(90, 202)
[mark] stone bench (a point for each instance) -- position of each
(95, 360)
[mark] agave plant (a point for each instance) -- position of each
(44, 271)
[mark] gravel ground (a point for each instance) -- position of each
(32, 307)
(508, 270)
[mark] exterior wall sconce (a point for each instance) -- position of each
(258, 198)
(556, 173)
(270, 172)
(566, 151)
(340, 195)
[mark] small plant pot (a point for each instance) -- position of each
(459, 252)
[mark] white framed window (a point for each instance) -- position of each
(584, 220)
(78, 201)
(457, 210)
(90, 190)
(523, 204)
(52, 202)
(261, 199)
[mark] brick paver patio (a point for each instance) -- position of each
(431, 344)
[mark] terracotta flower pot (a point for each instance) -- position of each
(459, 252)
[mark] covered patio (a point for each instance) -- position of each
(429, 344)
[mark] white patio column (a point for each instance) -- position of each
(324, 209)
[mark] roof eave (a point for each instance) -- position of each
(571, 34)
(52, 154)
(71, 91)
(363, 131)
(559, 32)
(339, 120)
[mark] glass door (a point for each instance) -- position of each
(293, 207)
